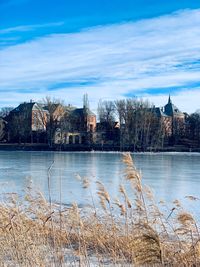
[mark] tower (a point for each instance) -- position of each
(85, 101)
(169, 100)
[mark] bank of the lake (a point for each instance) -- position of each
(80, 147)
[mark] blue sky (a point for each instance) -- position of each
(109, 49)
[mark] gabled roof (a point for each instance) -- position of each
(27, 107)
(24, 107)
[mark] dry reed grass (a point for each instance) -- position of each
(132, 231)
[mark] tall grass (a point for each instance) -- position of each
(130, 231)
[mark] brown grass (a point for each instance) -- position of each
(130, 231)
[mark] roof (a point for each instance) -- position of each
(82, 111)
(170, 109)
(159, 112)
(24, 107)
(27, 107)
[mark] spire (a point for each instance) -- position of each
(169, 100)
(85, 101)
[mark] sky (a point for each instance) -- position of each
(109, 49)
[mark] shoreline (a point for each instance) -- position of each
(91, 148)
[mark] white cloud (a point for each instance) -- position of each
(121, 58)
(25, 28)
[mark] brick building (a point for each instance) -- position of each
(78, 127)
(172, 118)
(27, 122)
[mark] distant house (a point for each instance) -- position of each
(171, 110)
(78, 127)
(164, 119)
(171, 117)
(84, 120)
(27, 122)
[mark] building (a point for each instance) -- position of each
(27, 123)
(78, 126)
(171, 117)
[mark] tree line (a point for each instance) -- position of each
(142, 128)
(127, 123)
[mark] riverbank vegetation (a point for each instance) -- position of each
(133, 230)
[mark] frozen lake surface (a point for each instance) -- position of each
(170, 175)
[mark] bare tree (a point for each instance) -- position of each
(5, 111)
(56, 111)
(19, 127)
(2, 129)
(107, 117)
(106, 111)
(137, 124)
(194, 126)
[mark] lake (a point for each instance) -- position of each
(170, 175)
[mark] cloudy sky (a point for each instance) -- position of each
(110, 49)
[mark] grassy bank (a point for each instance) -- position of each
(130, 231)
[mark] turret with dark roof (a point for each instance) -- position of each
(168, 115)
(171, 110)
